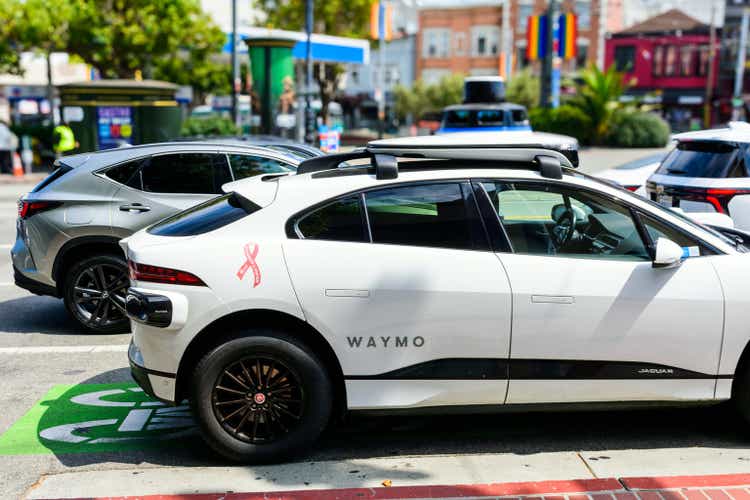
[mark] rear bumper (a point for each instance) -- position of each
(158, 385)
(32, 285)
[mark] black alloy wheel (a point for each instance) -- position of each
(95, 294)
(258, 399)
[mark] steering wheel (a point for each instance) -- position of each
(565, 225)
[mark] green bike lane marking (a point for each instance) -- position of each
(90, 418)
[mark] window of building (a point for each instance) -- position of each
(431, 215)
(670, 62)
(687, 60)
(583, 13)
(338, 221)
(485, 41)
(436, 42)
(625, 58)
(196, 173)
(582, 55)
(521, 60)
(524, 11)
(459, 43)
(658, 64)
(703, 60)
(434, 75)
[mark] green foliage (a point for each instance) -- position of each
(637, 129)
(523, 89)
(421, 98)
(169, 40)
(566, 120)
(333, 17)
(9, 36)
(598, 97)
(211, 126)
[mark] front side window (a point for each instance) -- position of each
(542, 219)
(657, 229)
(249, 166)
(625, 58)
(195, 173)
(338, 221)
(431, 215)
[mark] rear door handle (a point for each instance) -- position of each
(347, 292)
(134, 207)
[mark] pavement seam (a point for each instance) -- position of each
(586, 464)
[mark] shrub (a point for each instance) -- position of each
(566, 120)
(637, 129)
(208, 126)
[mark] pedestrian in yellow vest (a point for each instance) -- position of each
(64, 139)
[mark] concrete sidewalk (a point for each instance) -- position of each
(713, 487)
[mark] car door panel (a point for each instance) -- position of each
(396, 307)
(655, 333)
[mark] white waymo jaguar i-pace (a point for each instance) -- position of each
(439, 274)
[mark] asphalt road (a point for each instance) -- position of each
(47, 366)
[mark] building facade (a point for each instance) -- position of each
(465, 37)
(666, 58)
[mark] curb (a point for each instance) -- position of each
(582, 489)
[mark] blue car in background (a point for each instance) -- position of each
(484, 117)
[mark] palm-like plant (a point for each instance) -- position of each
(598, 96)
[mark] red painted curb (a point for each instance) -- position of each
(674, 482)
(408, 492)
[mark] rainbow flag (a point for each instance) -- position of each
(381, 25)
(536, 38)
(567, 32)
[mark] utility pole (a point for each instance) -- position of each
(739, 72)
(309, 114)
(546, 83)
(710, 72)
(380, 90)
(506, 42)
(235, 68)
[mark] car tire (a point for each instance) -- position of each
(261, 426)
(104, 311)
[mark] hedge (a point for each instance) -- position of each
(566, 120)
(637, 129)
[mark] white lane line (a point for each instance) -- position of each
(6, 246)
(6, 283)
(64, 349)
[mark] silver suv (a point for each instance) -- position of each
(69, 225)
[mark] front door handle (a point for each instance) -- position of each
(552, 299)
(347, 292)
(134, 207)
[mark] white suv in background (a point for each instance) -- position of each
(707, 171)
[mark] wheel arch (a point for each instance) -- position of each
(215, 333)
(742, 365)
(78, 248)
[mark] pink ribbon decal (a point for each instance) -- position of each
(250, 264)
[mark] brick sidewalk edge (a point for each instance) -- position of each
(709, 487)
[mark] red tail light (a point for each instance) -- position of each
(28, 208)
(720, 197)
(632, 189)
(156, 274)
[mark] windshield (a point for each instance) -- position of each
(708, 159)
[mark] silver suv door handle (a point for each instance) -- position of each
(135, 207)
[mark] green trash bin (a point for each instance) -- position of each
(109, 113)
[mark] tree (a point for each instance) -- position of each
(598, 95)
(333, 17)
(523, 89)
(171, 40)
(422, 97)
(10, 61)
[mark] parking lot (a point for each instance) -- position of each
(57, 379)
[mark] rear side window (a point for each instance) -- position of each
(338, 221)
(702, 159)
(56, 174)
(206, 217)
(196, 173)
(126, 174)
(430, 215)
(249, 166)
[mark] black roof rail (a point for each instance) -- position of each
(328, 162)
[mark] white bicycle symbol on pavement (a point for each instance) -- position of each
(143, 417)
